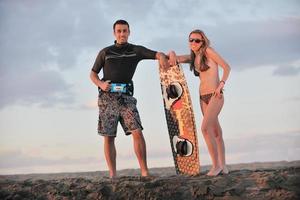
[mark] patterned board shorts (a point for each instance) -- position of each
(114, 108)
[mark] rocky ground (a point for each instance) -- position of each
(280, 180)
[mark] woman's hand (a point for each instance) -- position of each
(219, 90)
(172, 58)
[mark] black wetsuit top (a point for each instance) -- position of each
(119, 62)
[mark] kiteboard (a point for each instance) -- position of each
(180, 120)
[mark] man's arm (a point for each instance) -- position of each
(99, 62)
(104, 85)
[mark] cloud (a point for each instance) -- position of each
(258, 147)
(38, 43)
(285, 141)
(293, 99)
(49, 32)
(42, 87)
(48, 37)
(247, 44)
(286, 71)
(250, 44)
(93, 104)
(18, 159)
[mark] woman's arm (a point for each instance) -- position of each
(211, 53)
(174, 59)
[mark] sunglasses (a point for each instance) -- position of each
(195, 40)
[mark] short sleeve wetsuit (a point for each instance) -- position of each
(119, 62)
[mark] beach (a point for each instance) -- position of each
(264, 180)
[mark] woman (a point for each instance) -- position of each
(204, 62)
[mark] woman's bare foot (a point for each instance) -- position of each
(214, 171)
(225, 170)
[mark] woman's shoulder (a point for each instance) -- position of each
(209, 51)
(212, 53)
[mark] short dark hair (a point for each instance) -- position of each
(120, 21)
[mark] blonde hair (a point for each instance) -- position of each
(203, 64)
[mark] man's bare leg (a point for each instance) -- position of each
(140, 151)
(110, 155)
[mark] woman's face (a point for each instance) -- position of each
(195, 41)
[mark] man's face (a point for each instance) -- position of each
(121, 33)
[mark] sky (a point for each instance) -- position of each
(48, 109)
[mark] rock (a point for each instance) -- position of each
(277, 183)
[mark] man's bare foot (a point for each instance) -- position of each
(144, 173)
(112, 175)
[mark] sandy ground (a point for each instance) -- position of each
(267, 180)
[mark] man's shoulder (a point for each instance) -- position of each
(103, 51)
(107, 48)
(137, 47)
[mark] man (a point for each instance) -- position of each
(116, 103)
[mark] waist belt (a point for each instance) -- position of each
(125, 88)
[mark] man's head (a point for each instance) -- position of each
(121, 31)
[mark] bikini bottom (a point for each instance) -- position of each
(206, 97)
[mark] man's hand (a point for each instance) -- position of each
(105, 85)
(172, 58)
(163, 61)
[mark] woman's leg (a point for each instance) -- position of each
(220, 147)
(210, 119)
(209, 138)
